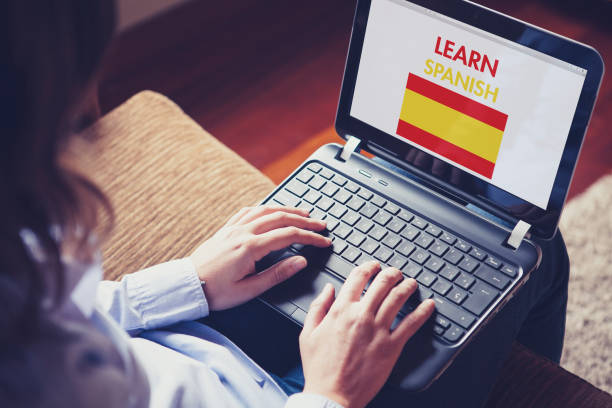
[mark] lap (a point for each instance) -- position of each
(534, 317)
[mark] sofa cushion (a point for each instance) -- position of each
(170, 182)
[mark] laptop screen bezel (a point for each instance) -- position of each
(544, 222)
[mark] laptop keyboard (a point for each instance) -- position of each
(461, 278)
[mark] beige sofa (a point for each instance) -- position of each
(172, 185)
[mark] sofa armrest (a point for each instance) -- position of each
(171, 184)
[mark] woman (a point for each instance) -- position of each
(61, 345)
(62, 349)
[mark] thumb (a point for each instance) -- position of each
(257, 284)
(319, 308)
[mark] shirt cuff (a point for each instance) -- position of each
(304, 400)
(168, 293)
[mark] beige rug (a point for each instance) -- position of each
(586, 224)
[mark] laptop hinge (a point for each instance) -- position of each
(351, 145)
(518, 234)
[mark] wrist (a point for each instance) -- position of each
(336, 397)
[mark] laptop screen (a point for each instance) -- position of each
(489, 106)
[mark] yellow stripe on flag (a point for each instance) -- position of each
(455, 127)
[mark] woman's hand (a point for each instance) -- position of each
(226, 262)
(347, 347)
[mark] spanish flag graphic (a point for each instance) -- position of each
(458, 128)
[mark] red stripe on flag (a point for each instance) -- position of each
(446, 149)
(457, 101)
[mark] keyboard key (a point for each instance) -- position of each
(463, 246)
(478, 254)
(480, 300)
(397, 261)
(465, 281)
(405, 215)
(391, 240)
(327, 173)
(352, 187)
(424, 240)
(492, 277)
(449, 272)
(378, 232)
(419, 223)
(382, 218)
(409, 232)
(457, 295)
(315, 167)
(338, 265)
(289, 200)
(454, 313)
(305, 176)
(453, 256)
(453, 334)
(434, 264)
(448, 238)
(365, 194)
(392, 208)
(442, 286)
(351, 217)
(369, 246)
(411, 270)
(468, 264)
(355, 203)
(419, 256)
(332, 223)
(383, 254)
(317, 214)
(325, 204)
(351, 254)
(317, 182)
(378, 201)
(330, 189)
(369, 210)
(396, 225)
(426, 278)
(338, 246)
(421, 294)
(297, 188)
(509, 270)
(356, 238)
(305, 206)
(405, 248)
(439, 248)
(343, 196)
(312, 196)
(438, 330)
(364, 225)
(342, 231)
(433, 230)
(338, 211)
(493, 262)
(339, 180)
(442, 321)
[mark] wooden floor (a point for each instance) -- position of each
(264, 79)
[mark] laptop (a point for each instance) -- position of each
(471, 122)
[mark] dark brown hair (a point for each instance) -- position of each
(50, 53)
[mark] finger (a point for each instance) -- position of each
(413, 322)
(255, 285)
(319, 308)
(280, 238)
(234, 218)
(260, 211)
(280, 219)
(394, 301)
(380, 288)
(356, 281)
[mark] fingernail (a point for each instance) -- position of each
(298, 263)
